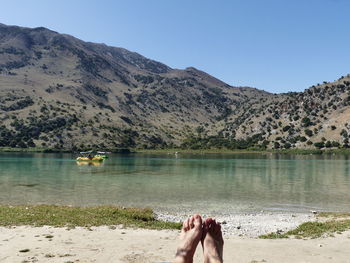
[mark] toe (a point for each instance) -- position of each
(208, 221)
(185, 225)
(217, 232)
(217, 227)
(210, 224)
(197, 221)
(188, 224)
(191, 222)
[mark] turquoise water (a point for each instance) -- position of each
(210, 183)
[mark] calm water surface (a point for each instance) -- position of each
(210, 183)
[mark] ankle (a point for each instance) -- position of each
(183, 256)
(210, 258)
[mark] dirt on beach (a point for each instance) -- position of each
(118, 244)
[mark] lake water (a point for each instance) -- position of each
(210, 183)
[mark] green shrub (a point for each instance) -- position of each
(319, 145)
(308, 132)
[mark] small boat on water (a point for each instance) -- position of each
(89, 157)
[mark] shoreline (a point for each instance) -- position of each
(261, 224)
(344, 151)
(248, 224)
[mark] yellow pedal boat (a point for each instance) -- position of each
(89, 159)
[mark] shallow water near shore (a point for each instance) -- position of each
(204, 183)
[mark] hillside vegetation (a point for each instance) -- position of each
(59, 92)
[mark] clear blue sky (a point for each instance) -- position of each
(275, 45)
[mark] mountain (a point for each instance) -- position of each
(57, 91)
(318, 117)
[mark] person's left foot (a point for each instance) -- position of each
(191, 234)
(212, 241)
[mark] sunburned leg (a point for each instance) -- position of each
(212, 241)
(191, 234)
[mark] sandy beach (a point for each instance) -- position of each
(119, 244)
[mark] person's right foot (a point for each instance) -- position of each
(212, 241)
(191, 234)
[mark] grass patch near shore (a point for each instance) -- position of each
(335, 223)
(345, 151)
(30, 149)
(65, 216)
(53, 150)
(195, 151)
(243, 151)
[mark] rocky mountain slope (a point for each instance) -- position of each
(57, 91)
(318, 117)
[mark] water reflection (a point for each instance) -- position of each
(223, 183)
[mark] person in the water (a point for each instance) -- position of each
(194, 229)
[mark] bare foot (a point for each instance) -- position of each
(212, 241)
(191, 234)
